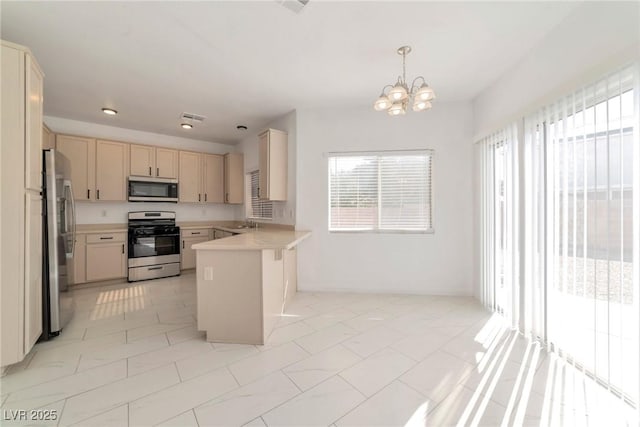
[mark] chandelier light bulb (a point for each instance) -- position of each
(382, 103)
(398, 92)
(397, 109)
(425, 93)
(420, 105)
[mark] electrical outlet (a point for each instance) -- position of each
(104, 212)
(208, 273)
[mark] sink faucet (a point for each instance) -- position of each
(251, 224)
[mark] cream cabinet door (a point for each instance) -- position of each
(166, 163)
(33, 126)
(112, 169)
(142, 160)
(233, 178)
(272, 161)
(190, 181)
(213, 178)
(33, 270)
(81, 153)
(188, 255)
(105, 261)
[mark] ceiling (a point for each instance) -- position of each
(247, 62)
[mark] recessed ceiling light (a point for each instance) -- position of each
(109, 111)
(186, 125)
(241, 127)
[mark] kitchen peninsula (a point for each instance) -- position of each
(244, 283)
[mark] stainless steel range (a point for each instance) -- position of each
(154, 245)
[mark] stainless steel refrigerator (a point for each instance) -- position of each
(59, 231)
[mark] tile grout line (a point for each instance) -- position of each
(64, 405)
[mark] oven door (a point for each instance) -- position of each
(152, 249)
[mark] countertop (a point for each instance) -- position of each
(230, 226)
(252, 240)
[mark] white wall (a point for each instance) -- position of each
(439, 263)
(283, 212)
(116, 212)
(598, 37)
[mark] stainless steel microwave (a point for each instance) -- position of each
(145, 189)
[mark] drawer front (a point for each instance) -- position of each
(200, 232)
(106, 237)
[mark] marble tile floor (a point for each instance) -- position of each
(132, 356)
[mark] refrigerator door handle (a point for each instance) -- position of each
(72, 200)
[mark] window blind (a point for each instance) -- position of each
(260, 209)
(380, 191)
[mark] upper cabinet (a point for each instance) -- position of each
(81, 153)
(272, 161)
(201, 178)
(112, 170)
(99, 169)
(190, 180)
(166, 163)
(234, 178)
(213, 178)
(153, 161)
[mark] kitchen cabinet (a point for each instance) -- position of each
(189, 238)
(272, 162)
(201, 178)
(78, 265)
(81, 153)
(112, 170)
(48, 138)
(106, 256)
(21, 204)
(190, 180)
(234, 178)
(146, 160)
(213, 178)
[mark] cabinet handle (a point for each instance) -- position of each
(123, 248)
(157, 171)
(183, 244)
(193, 232)
(258, 192)
(155, 268)
(205, 197)
(199, 197)
(88, 194)
(106, 238)
(149, 170)
(98, 194)
(226, 197)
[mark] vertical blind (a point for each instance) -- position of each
(583, 177)
(380, 191)
(575, 222)
(260, 209)
(499, 222)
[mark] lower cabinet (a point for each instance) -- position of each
(106, 256)
(191, 237)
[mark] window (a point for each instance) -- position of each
(380, 191)
(257, 208)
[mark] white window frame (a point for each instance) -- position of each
(377, 230)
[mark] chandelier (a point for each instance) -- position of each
(396, 100)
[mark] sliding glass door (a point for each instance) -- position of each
(591, 298)
(561, 229)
